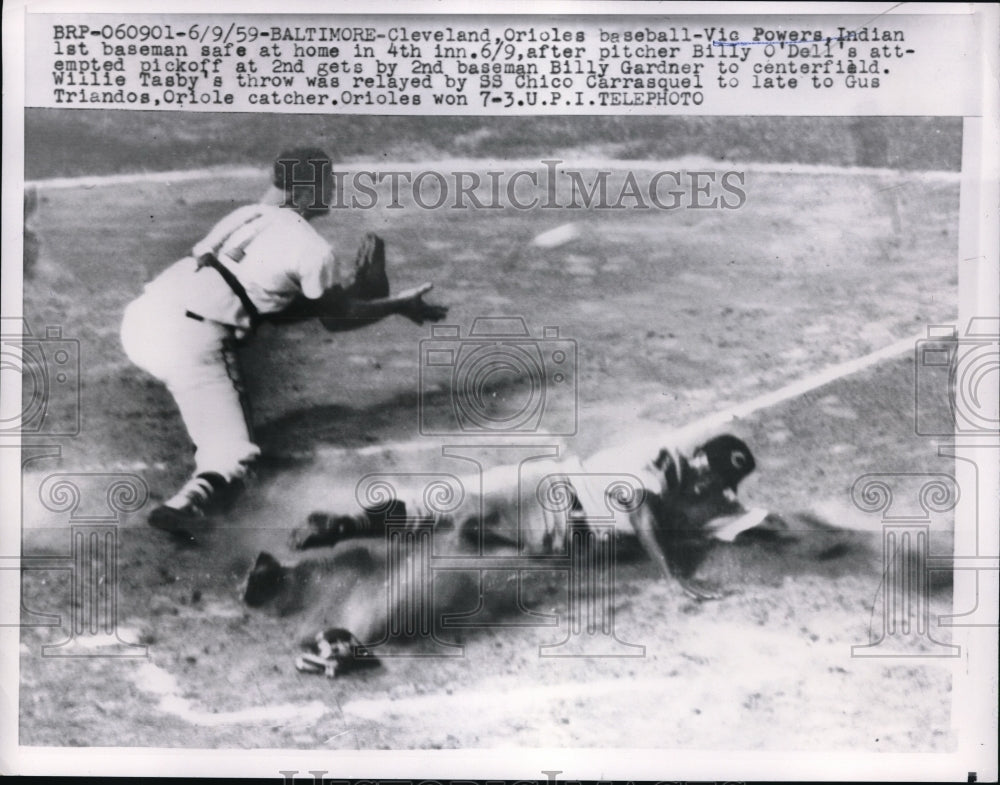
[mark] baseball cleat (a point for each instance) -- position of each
(697, 590)
(179, 523)
(265, 581)
(200, 497)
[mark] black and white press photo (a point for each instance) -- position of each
(571, 386)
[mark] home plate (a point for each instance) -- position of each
(556, 237)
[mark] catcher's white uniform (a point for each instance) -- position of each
(185, 327)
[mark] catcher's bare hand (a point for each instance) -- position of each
(416, 310)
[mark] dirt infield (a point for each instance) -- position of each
(675, 315)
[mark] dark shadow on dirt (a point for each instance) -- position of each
(405, 415)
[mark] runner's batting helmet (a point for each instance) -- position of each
(730, 458)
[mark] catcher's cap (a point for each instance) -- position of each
(299, 166)
(730, 458)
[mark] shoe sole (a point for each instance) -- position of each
(168, 520)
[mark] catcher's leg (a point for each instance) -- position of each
(212, 402)
(197, 362)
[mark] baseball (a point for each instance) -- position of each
(553, 238)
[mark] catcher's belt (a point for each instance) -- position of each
(211, 260)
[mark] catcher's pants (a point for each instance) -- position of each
(197, 361)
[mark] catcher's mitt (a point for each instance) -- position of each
(370, 279)
(333, 653)
(370, 283)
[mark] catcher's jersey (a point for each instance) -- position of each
(272, 251)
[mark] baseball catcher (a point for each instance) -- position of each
(262, 262)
